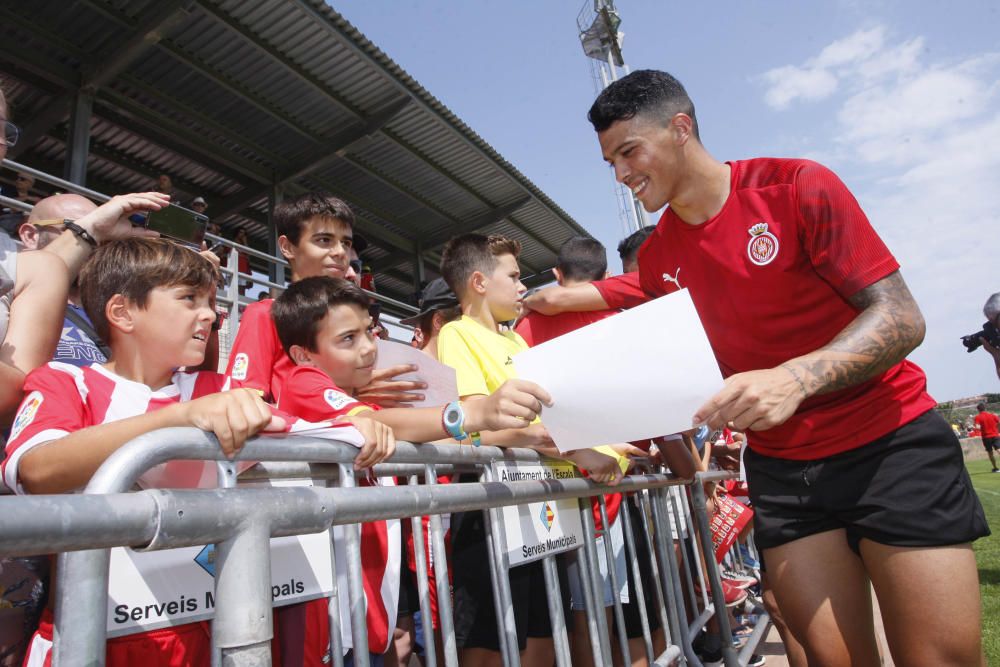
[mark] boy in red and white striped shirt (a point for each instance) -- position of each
(152, 300)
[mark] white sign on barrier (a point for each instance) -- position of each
(534, 530)
(155, 589)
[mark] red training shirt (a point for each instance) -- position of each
(770, 276)
(257, 360)
(622, 292)
(987, 423)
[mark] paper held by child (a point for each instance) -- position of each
(442, 387)
(611, 384)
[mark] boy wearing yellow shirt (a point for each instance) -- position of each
(483, 273)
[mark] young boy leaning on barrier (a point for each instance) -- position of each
(324, 327)
(315, 235)
(153, 302)
(484, 274)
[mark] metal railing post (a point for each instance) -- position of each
(613, 576)
(440, 558)
(242, 626)
(355, 578)
(423, 587)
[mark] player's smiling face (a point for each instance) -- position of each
(646, 156)
(176, 322)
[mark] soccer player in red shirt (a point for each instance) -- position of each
(853, 475)
(987, 423)
(152, 301)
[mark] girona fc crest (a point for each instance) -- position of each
(763, 245)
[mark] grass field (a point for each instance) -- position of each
(988, 557)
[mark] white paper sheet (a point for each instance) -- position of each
(442, 387)
(640, 374)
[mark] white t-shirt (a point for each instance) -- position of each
(8, 276)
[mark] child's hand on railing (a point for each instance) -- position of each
(233, 416)
(380, 443)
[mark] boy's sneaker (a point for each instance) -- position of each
(734, 596)
(738, 580)
(748, 560)
(756, 660)
(996, 470)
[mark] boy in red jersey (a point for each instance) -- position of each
(316, 235)
(987, 423)
(152, 300)
(324, 326)
(853, 475)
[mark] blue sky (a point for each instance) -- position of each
(901, 99)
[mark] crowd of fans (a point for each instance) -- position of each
(109, 333)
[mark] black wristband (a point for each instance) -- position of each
(80, 233)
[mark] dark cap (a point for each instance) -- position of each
(436, 296)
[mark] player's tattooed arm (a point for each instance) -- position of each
(888, 327)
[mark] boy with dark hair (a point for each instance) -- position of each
(849, 465)
(152, 300)
(615, 293)
(581, 261)
(484, 274)
(325, 328)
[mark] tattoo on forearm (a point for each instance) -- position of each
(887, 329)
(798, 379)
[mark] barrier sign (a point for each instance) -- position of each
(155, 589)
(535, 530)
(731, 517)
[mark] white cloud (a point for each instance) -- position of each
(919, 143)
(817, 78)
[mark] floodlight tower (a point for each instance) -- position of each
(598, 23)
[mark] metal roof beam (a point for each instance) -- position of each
(324, 89)
(340, 144)
(475, 224)
(137, 118)
(163, 17)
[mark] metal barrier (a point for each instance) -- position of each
(240, 522)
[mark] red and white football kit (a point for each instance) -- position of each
(770, 276)
(257, 360)
(62, 398)
(310, 394)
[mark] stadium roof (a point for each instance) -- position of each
(239, 100)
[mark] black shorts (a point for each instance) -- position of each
(475, 614)
(991, 444)
(409, 598)
(909, 488)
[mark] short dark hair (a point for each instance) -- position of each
(464, 255)
(298, 312)
(981, 407)
(645, 92)
(629, 246)
(134, 267)
(291, 214)
(582, 258)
